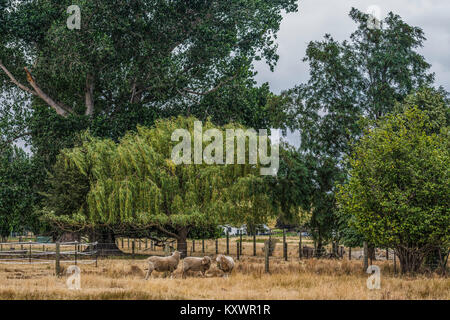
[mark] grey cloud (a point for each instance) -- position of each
(317, 17)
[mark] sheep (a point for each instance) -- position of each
(162, 264)
(225, 263)
(196, 264)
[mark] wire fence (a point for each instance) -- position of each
(289, 247)
(20, 253)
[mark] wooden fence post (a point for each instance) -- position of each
(29, 257)
(395, 263)
(285, 252)
(203, 246)
(57, 257)
(193, 245)
(122, 242)
(300, 246)
(128, 243)
(254, 244)
(349, 253)
(166, 249)
(238, 249)
(76, 251)
(387, 253)
(366, 256)
(132, 249)
(140, 244)
(240, 244)
(217, 246)
(146, 243)
(228, 242)
(284, 245)
(266, 256)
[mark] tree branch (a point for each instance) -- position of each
(89, 95)
(14, 80)
(160, 228)
(4, 144)
(60, 108)
(220, 85)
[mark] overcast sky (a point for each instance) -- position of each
(317, 17)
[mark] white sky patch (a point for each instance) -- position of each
(318, 17)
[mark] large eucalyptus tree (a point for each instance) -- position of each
(131, 62)
(158, 54)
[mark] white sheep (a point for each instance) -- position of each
(225, 263)
(163, 264)
(196, 264)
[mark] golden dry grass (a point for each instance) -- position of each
(305, 279)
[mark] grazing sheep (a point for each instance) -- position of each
(162, 264)
(196, 264)
(225, 263)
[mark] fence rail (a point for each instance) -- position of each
(51, 253)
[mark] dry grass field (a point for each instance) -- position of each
(305, 279)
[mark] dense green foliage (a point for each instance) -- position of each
(157, 54)
(16, 192)
(291, 189)
(136, 183)
(363, 77)
(130, 64)
(90, 102)
(398, 194)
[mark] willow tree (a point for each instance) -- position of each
(136, 184)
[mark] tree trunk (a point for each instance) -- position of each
(410, 259)
(366, 256)
(371, 253)
(106, 243)
(319, 248)
(89, 95)
(182, 242)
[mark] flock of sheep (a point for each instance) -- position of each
(170, 264)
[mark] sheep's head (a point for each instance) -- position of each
(206, 261)
(176, 255)
(220, 260)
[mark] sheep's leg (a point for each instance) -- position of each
(151, 267)
(149, 273)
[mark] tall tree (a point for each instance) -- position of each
(130, 63)
(398, 192)
(157, 54)
(136, 184)
(364, 76)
